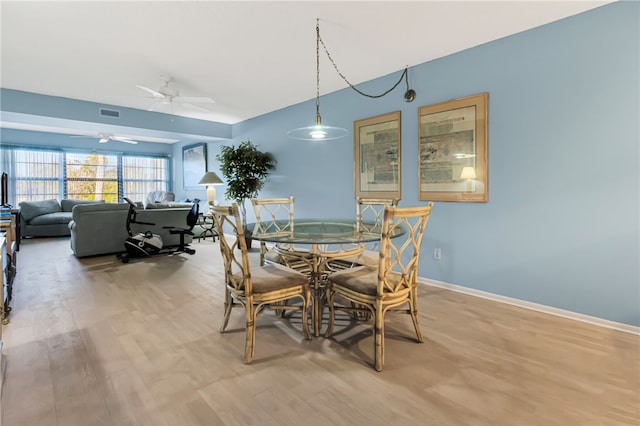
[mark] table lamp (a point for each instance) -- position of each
(210, 179)
(468, 173)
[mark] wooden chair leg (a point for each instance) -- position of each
(280, 312)
(360, 315)
(379, 339)
(250, 338)
(305, 315)
(263, 250)
(332, 311)
(228, 304)
(414, 314)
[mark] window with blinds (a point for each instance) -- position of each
(91, 177)
(142, 175)
(35, 175)
(45, 174)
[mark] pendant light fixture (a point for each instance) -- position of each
(322, 132)
(317, 132)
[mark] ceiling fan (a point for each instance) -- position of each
(106, 137)
(167, 96)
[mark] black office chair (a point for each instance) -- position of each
(192, 219)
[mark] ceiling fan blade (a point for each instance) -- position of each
(188, 106)
(166, 107)
(196, 99)
(123, 139)
(155, 93)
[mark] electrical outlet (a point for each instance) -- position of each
(437, 253)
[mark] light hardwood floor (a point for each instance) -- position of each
(96, 342)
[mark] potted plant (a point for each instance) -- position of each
(245, 169)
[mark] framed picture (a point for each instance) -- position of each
(453, 150)
(377, 156)
(194, 165)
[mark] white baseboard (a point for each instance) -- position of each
(534, 306)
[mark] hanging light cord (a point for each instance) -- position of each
(318, 72)
(405, 73)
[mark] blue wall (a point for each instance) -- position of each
(561, 227)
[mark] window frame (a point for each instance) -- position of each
(8, 163)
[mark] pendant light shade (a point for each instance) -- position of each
(317, 132)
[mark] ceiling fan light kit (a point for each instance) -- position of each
(322, 132)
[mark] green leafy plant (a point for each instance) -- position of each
(245, 169)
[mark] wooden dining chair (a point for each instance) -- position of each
(391, 284)
(275, 215)
(257, 288)
(370, 211)
(369, 215)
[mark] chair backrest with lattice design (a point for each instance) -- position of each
(399, 256)
(273, 215)
(270, 210)
(370, 212)
(235, 257)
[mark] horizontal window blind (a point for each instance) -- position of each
(47, 174)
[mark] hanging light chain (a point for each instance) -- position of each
(405, 73)
(318, 72)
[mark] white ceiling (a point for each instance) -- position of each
(252, 57)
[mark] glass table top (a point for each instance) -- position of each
(318, 231)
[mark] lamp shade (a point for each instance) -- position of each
(468, 173)
(210, 178)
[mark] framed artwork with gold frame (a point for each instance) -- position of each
(452, 139)
(377, 168)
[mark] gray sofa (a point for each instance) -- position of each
(47, 218)
(101, 228)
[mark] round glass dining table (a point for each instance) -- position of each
(315, 231)
(329, 239)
